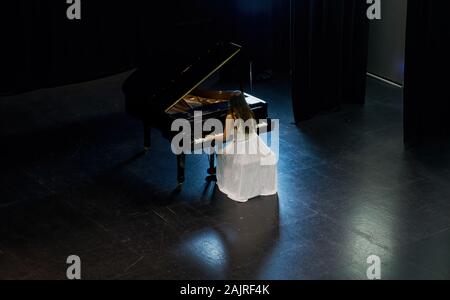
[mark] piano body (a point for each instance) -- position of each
(165, 91)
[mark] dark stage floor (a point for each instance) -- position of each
(73, 183)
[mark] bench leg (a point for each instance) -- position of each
(212, 164)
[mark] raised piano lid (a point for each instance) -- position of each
(198, 72)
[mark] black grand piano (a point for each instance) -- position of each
(164, 91)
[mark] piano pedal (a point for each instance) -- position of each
(146, 150)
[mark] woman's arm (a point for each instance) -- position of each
(229, 128)
(228, 132)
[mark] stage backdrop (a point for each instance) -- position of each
(330, 43)
(42, 48)
(426, 92)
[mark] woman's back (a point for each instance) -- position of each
(242, 171)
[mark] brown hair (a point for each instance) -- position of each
(239, 108)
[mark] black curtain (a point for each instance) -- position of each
(260, 26)
(426, 94)
(44, 48)
(329, 55)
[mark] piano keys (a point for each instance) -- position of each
(263, 126)
(167, 90)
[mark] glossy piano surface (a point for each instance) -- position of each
(211, 104)
(164, 81)
(174, 88)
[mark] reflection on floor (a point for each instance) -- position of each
(73, 183)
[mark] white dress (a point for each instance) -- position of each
(246, 167)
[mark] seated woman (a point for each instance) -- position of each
(246, 166)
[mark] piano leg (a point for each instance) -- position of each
(181, 163)
(212, 165)
(147, 136)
